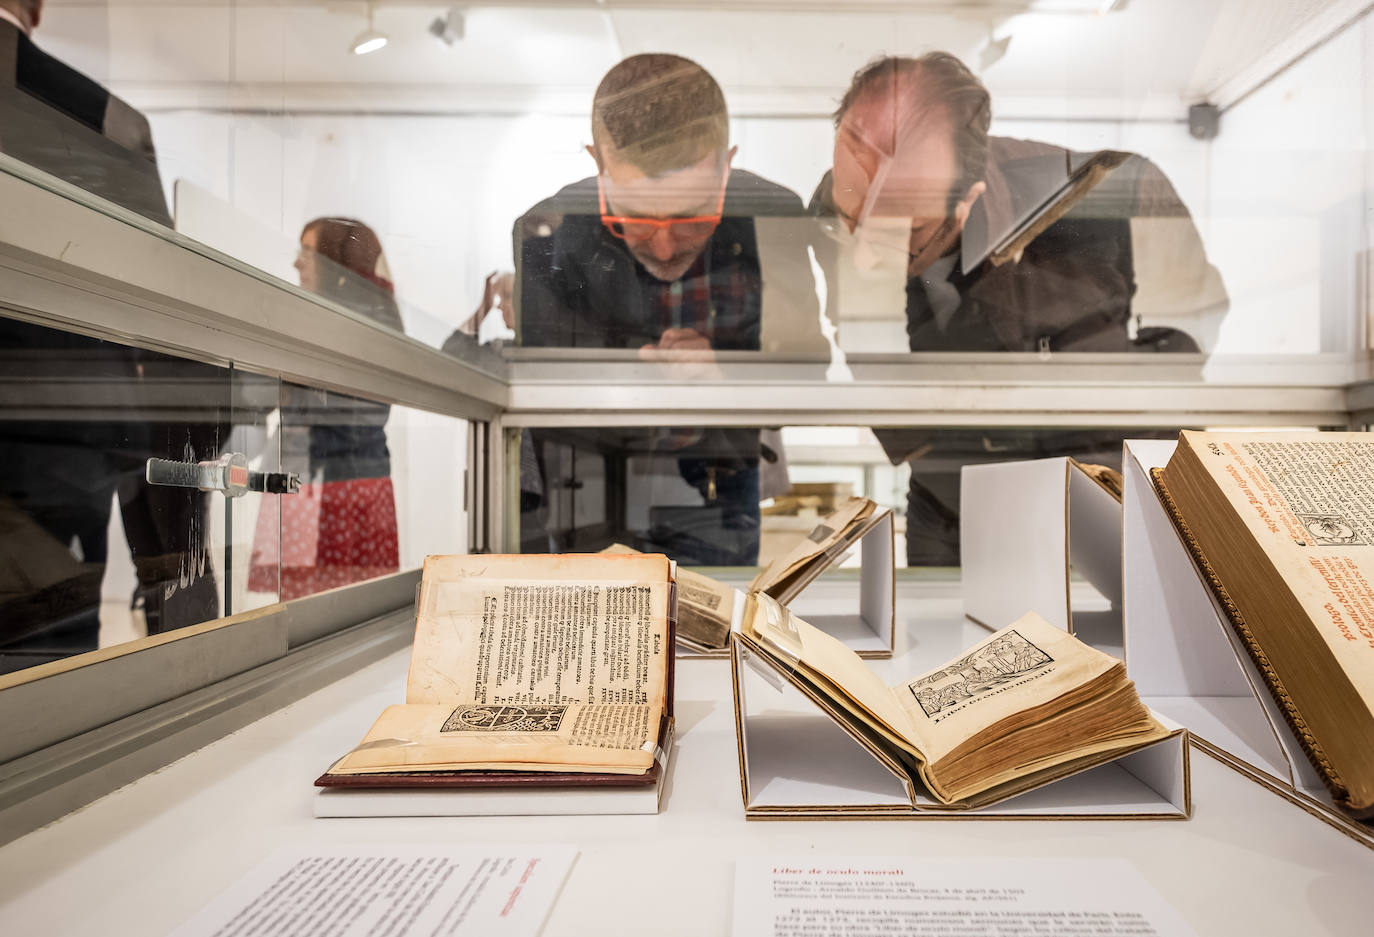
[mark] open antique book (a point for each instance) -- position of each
(1282, 527)
(818, 551)
(705, 607)
(708, 609)
(1028, 705)
(529, 670)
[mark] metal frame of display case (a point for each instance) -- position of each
(98, 720)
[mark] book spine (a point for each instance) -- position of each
(1291, 714)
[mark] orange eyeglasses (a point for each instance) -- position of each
(632, 228)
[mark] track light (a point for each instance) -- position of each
(369, 40)
(450, 27)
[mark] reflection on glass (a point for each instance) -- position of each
(668, 247)
(1035, 207)
(341, 259)
(79, 419)
(374, 498)
(60, 121)
(340, 527)
(993, 244)
(691, 493)
(671, 251)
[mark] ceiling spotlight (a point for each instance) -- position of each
(450, 27)
(369, 40)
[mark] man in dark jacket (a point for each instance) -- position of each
(58, 120)
(59, 477)
(1003, 245)
(671, 252)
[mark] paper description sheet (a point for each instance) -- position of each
(879, 897)
(390, 891)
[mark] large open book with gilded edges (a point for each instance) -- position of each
(1282, 527)
(1025, 706)
(530, 671)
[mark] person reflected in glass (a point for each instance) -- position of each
(1000, 245)
(498, 293)
(58, 120)
(341, 526)
(59, 477)
(669, 250)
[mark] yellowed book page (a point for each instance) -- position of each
(795, 642)
(827, 536)
(1034, 774)
(575, 737)
(705, 607)
(1026, 664)
(1146, 733)
(1107, 477)
(541, 630)
(1308, 499)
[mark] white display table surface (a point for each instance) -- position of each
(143, 859)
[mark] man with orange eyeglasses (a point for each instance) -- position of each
(669, 251)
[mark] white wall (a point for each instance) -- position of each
(1286, 202)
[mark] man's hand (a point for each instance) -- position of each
(497, 290)
(927, 247)
(685, 355)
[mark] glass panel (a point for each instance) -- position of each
(768, 190)
(381, 488)
(739, 496)
(94, 555)
(247, 524)
(1041, 189)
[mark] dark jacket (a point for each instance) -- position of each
(1068, 283)
(60, 475)
(578, 286)
(346, 434)
(56, 119)
(1073, 286)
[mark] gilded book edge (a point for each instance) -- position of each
(1291, 714)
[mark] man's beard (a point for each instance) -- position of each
(671, 269)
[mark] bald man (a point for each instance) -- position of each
(959, 221)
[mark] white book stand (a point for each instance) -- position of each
(1023, 526)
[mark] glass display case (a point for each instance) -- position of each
(544, 277)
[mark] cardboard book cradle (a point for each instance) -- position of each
(1189, 665)
(871, 631)
(799, 760)
(1022, 527)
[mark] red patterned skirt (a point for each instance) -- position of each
(332, 534)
